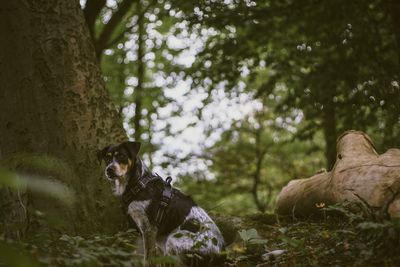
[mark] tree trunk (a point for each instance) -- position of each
(391, 130)
(360, 175)
(393, 8)
(141, 74)
(54, 101)
(259, 156)
(150, 139)
(329, 128)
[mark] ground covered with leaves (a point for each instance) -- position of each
(256, 240)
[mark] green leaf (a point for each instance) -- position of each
(247, 235)
(258, 241)
(178, 235)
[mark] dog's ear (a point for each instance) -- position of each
(132, 147)
(102, 153)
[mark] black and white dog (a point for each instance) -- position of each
(164, 215)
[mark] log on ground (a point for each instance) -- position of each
(360, 175)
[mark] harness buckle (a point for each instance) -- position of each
(164, 203)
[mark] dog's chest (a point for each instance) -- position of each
(137, 211)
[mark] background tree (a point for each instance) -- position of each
(336, 68)
(269, 49)
(136, 60)
(250, 163)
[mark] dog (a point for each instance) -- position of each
(165, 216)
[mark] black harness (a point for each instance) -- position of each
(166, 197)
(133, 189)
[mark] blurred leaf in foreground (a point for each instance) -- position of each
(45, 186)
(11, 255)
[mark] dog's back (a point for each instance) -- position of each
(186, 227)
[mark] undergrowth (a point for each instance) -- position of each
(339, 238)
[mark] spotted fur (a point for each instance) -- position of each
(186, 228)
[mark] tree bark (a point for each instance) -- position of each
(391, 120)
(360, 175)
(54, 101)
(393, 8)
(329, 129)
(141, 74)
(260, 154)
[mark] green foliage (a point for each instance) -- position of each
(12, 255)
(350, 211)
(40, 165)
(33, 191)
(332, 241)
(314, 76)
(97, 250)
(132, 81)
(339, 64)
(312, 69)
(41, 174)
(250, 237)
(254, 148)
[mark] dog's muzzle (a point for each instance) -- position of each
(110, 173)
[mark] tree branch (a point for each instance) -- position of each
(105, 35)
(128, 29)
(91, 11)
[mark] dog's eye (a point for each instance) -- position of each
(108, 159)
(121, 157)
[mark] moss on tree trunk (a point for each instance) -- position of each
(53, 102)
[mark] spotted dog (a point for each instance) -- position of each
(164, 215)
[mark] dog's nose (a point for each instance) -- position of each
(110, 172)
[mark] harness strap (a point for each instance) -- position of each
(167, 194)
(165, 200)
(131, 191)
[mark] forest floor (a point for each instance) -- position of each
(347, 240)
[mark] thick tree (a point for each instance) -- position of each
(54, 103)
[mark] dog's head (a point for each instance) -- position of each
(119, 158)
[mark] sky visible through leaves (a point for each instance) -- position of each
(189, 137)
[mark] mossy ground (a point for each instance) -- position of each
(329, 241)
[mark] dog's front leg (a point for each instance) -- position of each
(149, 234)
(137, 210)
(149, 240)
